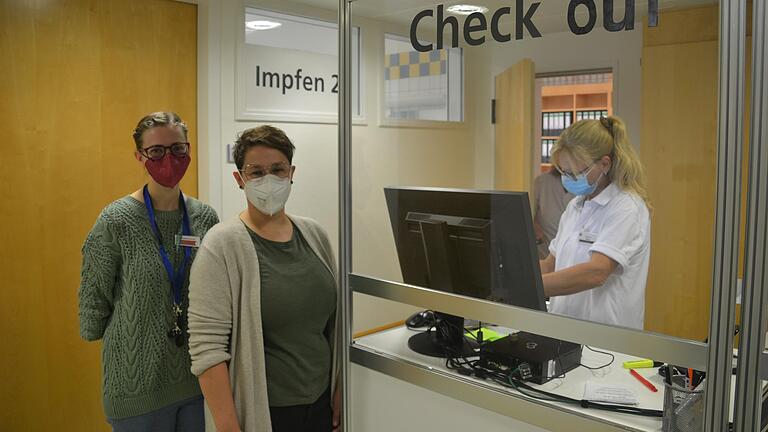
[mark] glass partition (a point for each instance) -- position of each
(628, 97)
(595, 174)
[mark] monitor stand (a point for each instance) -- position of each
(446, 340)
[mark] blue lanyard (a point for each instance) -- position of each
(177, 277)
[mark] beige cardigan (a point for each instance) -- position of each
(225, 315)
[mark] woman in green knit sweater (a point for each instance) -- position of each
(134, 285)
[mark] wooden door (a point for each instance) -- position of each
(515, 108)
(76, 77)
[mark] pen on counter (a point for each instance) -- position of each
(690, 378)
(643, 381)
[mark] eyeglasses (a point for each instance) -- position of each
(158, 152)
(279, 169)
(573, 176)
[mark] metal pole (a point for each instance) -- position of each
(345, 198)
(749, 389)
(725, 264)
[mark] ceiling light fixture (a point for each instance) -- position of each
(262, 25)
(466, 9)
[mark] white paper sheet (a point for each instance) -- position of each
(617, 394)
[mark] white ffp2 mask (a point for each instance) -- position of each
(269, 193)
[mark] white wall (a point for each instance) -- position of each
(390, 404)
(315, 185)
(316, 143)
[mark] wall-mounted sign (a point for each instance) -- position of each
(476, 25)
(278, 84)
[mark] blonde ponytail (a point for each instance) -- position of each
(589, 140)
(626, 170)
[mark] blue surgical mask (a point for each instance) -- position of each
(580, 186)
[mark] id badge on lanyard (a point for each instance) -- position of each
(176, 277)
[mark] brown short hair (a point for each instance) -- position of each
(265, 136)
(157, 119)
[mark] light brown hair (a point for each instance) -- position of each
(157, 119)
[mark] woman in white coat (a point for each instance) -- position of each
(598, 263)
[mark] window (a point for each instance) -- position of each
(422, 86)
(297, 62)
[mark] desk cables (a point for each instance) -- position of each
(515, 379)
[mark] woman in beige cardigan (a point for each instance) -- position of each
(264, 307)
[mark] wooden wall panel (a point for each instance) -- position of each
(679, 151)
(688, 24)
(76, 77)
(684, 25)
(514, 127)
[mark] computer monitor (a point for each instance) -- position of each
(468, 242)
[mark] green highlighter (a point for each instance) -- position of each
(641, 364)
(488, 334)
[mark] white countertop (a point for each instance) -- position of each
(394, 343)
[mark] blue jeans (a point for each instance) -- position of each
(183, 416)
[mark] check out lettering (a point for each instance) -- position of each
(476, 25)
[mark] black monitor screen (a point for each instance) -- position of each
(473, 243)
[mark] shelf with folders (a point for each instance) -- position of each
(546, 150)
(554, 123)
(591, 114)
(565, 104)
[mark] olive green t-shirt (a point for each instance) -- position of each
(298, 305)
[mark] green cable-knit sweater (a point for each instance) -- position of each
(126, 300)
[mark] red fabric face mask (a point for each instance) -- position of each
(169, 170)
